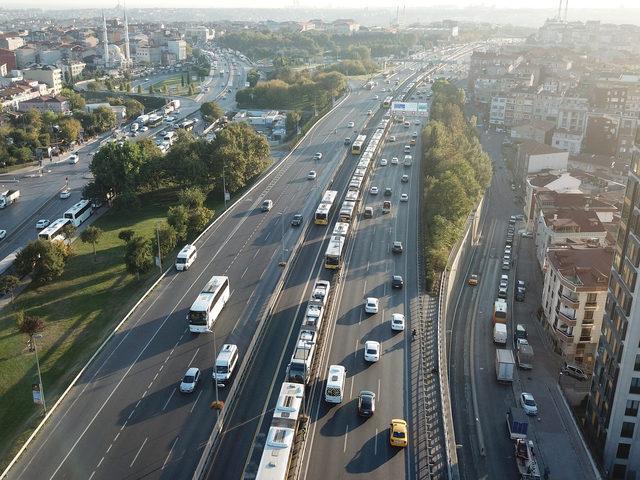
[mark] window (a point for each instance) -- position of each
(623, 450)
(627, 429)
(631, 409)
(592, 298)
(636, 365)
(635, 385)
(588, 316)
(619, 472)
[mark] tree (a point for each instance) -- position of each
(116, 168)
(70, 129)
(178, 218)
(8, 284)
(126, 235)
(182, 80)
(168, 239)
(30, 325)
(91, 235)
(104, 119)
(137, 256)
(253, 76)
(211, 111)
(191, 197)
(69, 230)
(139, 89)
(41, 259)
(198, 220)
(76, 102)
(292, 121)
(151, 89)
(192, 89)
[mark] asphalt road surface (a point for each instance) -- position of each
(125, 418)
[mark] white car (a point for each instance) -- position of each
(397, 322)
(169, 119)
(65, 194)
(383, 162)
(312, 175)
(371, 351)
(371, 305)
(394, 161)
(392, 138)
(404, 197)
(317, 156)
(376, 97)
(3, 233)
(190, 380)
(144, 129)
(369, 112)
(73, 159)
(42, 223)
(351, 125)
(373, 191)
(529, 404)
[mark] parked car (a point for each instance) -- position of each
(528, 403)
(574, 371)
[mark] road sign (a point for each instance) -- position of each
(411, 108)
(37, 394)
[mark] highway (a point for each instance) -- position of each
(472, 352)
(124, 418)
(38, 191)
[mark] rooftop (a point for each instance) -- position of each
(540, 124)
(531, 147)
(585, 266)
(573, 220)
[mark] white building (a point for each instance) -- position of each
(177, 48)
(49, 75)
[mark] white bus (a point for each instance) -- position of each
(341, 229)
(346, 212)
(205, 310)
(326, 207)
(54, 231)
(334, 390)
(79, 212)
(276, 455)
(333, 256)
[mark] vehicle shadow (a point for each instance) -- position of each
(375, 452)
(344, 419)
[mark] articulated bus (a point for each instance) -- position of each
(326, 207)
(54, 231)
(387, 102)
(333, 256)
(205, 310)
(358, 145)
(79, 212)
(346, 212)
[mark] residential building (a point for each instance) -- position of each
(49, 56)
(178, 48)
(8, 57)
(546, 181)
(11, 43)
(73, 70)
(49, 75)
(612, 421)
(25, 56)
(537, 130)
(120, 111)
(572, 114)
(20, 91)
(574, 293)
(344, 26)
(568, 141)
(199, 34)
(46, 103)
(534, 157)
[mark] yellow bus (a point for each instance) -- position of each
(333, 256)
(323, 212)
(357, 146)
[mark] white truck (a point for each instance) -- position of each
(500, 333)
(176, 104)
(142, 119)
(524, 354)
(8, 197)
(505, 365)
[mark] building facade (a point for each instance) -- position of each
(612, 416)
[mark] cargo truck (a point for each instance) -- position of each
(517, 423)
(525, 354)
(505, 365)
(8, 197)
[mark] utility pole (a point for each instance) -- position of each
(35, 347)
(159, 253)
(224, 187)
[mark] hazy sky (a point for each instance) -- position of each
(309, 3)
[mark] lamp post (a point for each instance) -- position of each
(224, 187)
(35, 348)
(283, 260)
(159, 252)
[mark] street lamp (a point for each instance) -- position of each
(35, 348)
(282, 254)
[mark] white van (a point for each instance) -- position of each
(408, 160)
(407, 149)
(186, 257)
(500, 333)
(226, 362)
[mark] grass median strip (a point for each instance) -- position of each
(79, 309)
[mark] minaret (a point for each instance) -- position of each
(105, 41)
(127, 52)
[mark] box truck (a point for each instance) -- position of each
(8, 197)
(505, 365)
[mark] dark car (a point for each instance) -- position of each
(366, 403)
(397, 282)
(387, 192)
(520, 295)
(397, 247)
(296, 221)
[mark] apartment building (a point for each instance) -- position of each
(574, 293)
(537, 130)
(49, 75)
(534, 157)
(612, 421)
(547, 181)
(567, 140)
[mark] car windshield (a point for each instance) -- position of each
(398, 434)
(188, 379)
(529, 402)
(371, 351)
(365, 402)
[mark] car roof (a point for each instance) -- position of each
(371, 343)
(192, 371)
(398, 315)
(372, 300)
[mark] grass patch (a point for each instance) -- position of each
(174, 84)
(80, 309)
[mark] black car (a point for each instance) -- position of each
(366, 403)
(397, 282)
(520, 295)
(387, 192)
(296, 221)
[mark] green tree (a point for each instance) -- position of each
(178, 219)
(198, 219)
(253, 76)
(68, 231)
(76, 102)
(168, 239)
(192, 197)
(192, 89)
(165, 89)
(139, 89)
(104, 119)
(211, 111)
(91, 235)
(292, 121)
(70, 129)
(116, 168)
(8, 284)
(137, 256)
(182, 81)
(126, 235)
(30, 325)
(41, 259)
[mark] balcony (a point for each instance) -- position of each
(566, 317)
(590, 305)
(563, 335)
(569, 301)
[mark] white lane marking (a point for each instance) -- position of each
(138, 453)
(168, 399)
(256, 254)
(351, 389)
(194, 356)
(266, 237)
(196, 402)
(124, 425)
(100, 462)
(368, 263)
(375, 443)
(109, 448)
(170, 452)
(116, 437)
(364, 289)
(346, 434)
(378, 395)
(245, 272)
(92, 474)
(355, 350)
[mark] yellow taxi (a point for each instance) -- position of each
(473, 280)
(398, 435)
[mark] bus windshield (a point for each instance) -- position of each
(197, 318)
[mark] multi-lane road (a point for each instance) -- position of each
(38, 190)
(125, 418)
